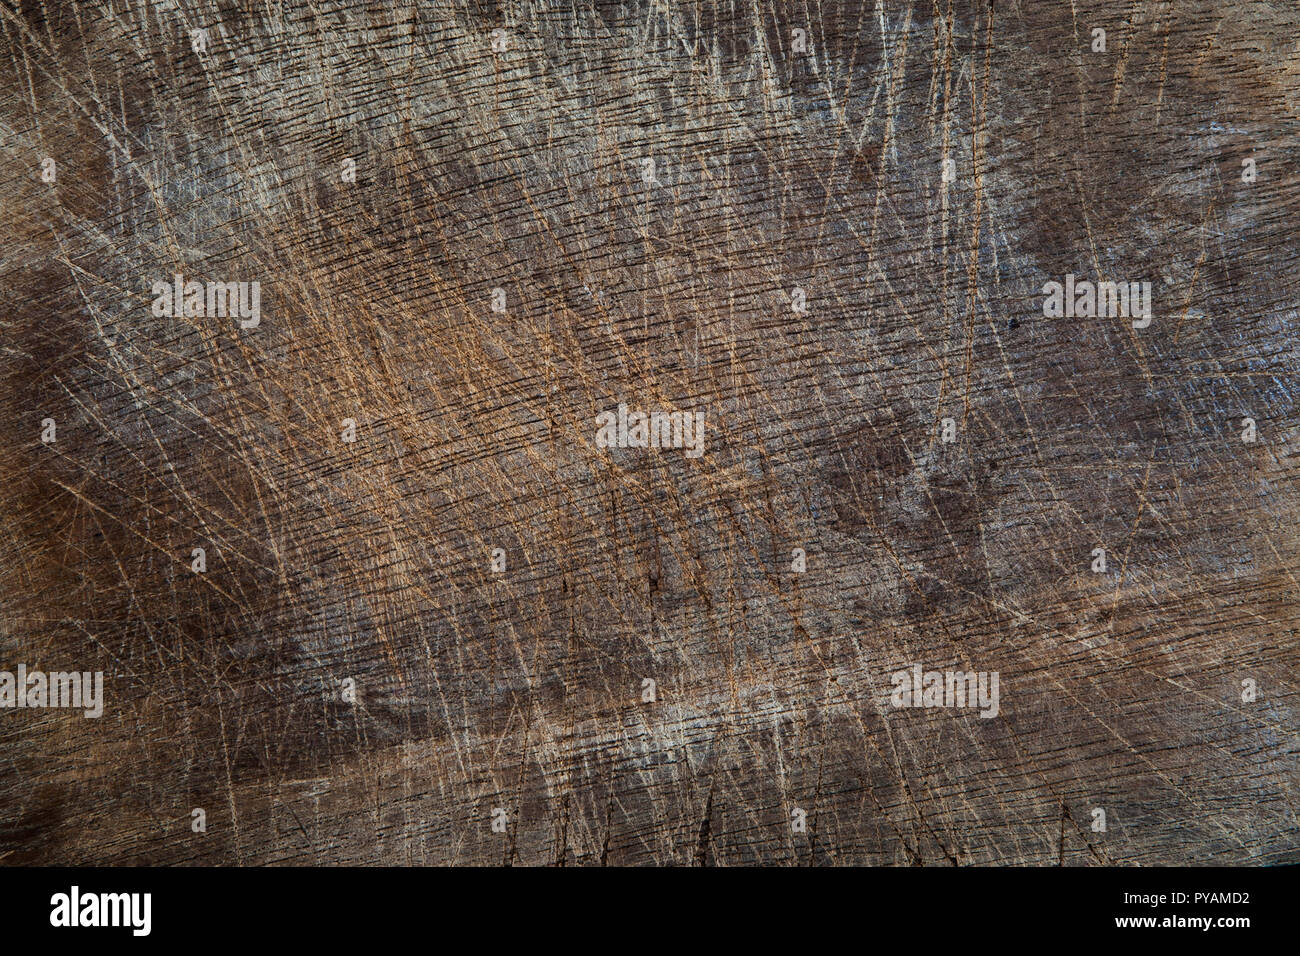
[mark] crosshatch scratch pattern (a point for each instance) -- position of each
(363, 583)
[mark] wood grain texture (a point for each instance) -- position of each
(774, 169)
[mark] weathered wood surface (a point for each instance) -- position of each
(523, 170)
